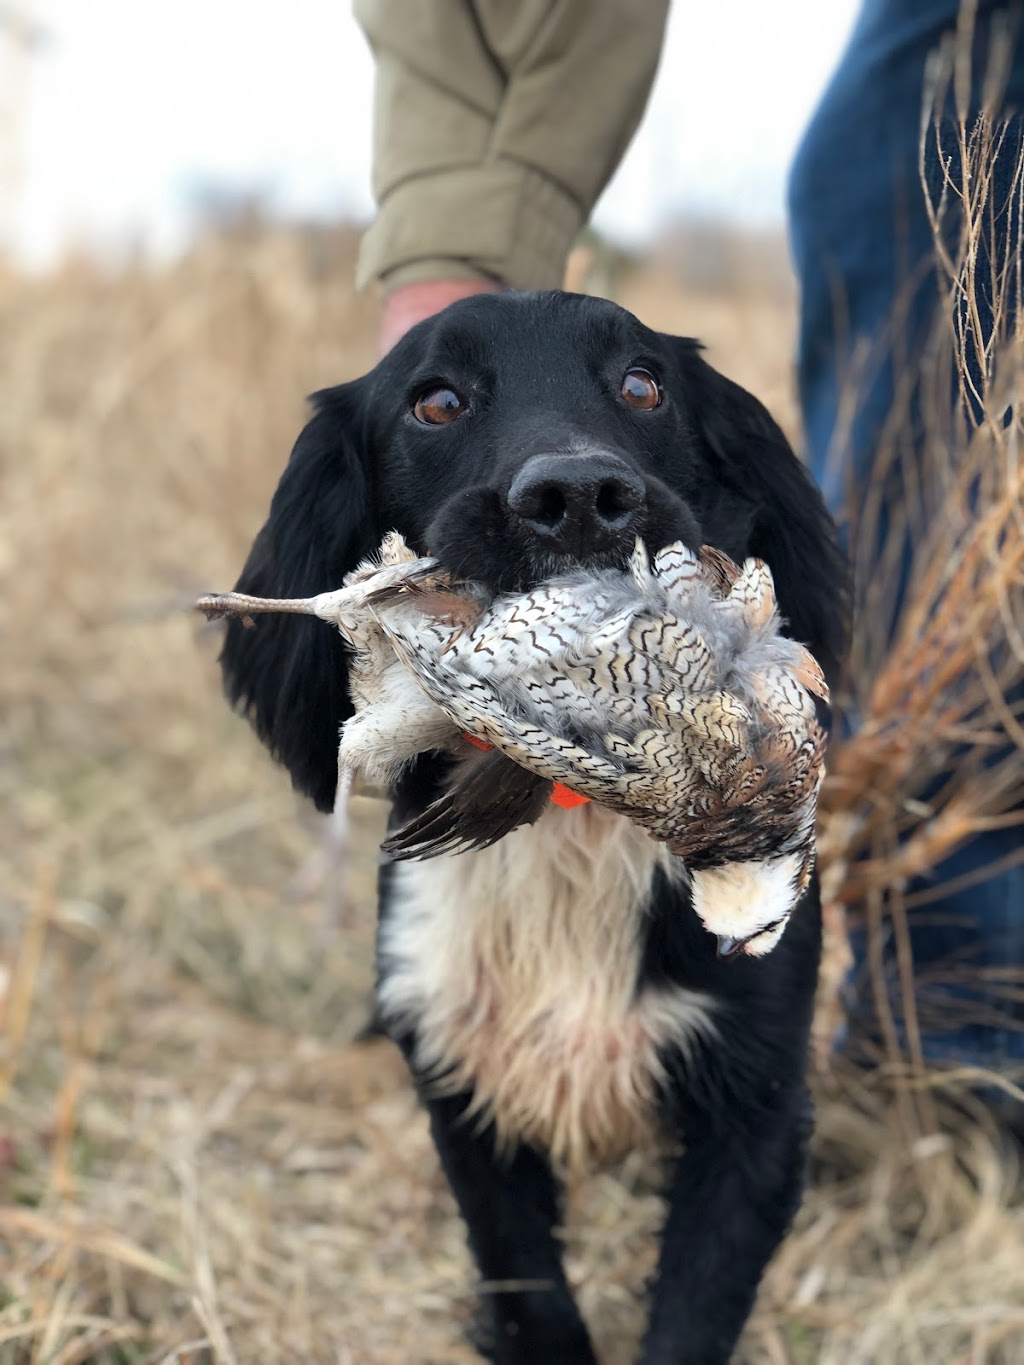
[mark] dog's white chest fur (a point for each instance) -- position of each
(517, 968)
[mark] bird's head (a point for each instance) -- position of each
(747, 905)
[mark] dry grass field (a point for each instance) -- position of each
(199, 1158)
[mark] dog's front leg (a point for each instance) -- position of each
(510, 1207)
(732, 1197)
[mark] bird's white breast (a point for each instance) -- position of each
(517, 968)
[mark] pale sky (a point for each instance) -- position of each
(133, 103)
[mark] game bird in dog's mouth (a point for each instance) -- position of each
(666, 693)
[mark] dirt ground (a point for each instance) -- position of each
(199, 1158)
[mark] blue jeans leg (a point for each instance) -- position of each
(864, 254)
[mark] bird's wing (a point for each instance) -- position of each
(491, 797)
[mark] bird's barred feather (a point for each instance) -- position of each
(667, 693)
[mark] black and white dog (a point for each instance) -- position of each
(555, 995)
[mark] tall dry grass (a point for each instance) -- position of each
(936, 675)
(198, 1159)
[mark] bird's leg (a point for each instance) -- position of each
(338, 857)
(217, 604)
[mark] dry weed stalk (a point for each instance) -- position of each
(936, 677)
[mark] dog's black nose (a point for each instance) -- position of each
(576, 504)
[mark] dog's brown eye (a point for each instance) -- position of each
(438, 406)
(641, 390)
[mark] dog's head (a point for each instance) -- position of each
(513, 436)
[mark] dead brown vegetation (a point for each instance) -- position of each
(197, 1162)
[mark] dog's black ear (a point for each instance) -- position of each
(770, 493)
(289, 674)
